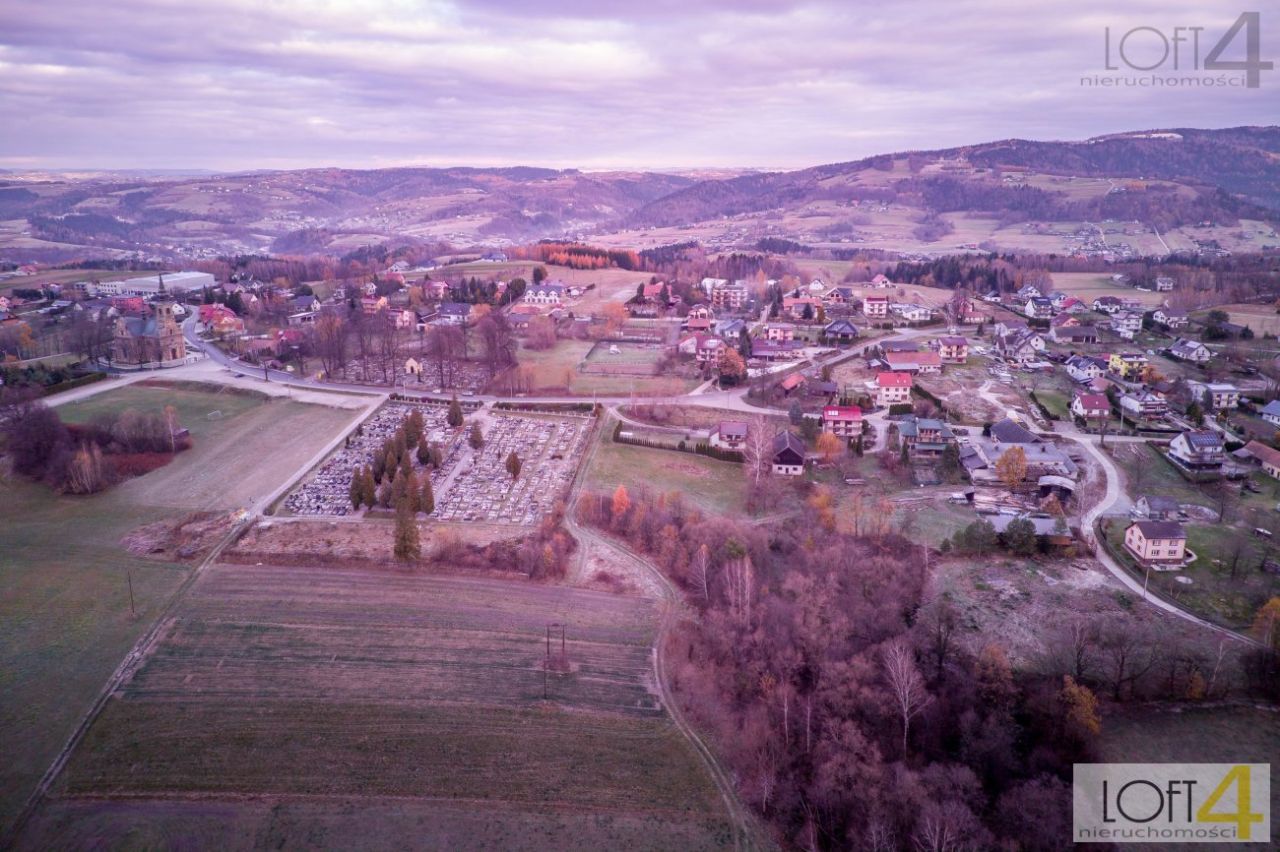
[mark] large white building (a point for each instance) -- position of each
(148, 285)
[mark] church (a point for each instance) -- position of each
(154, 339)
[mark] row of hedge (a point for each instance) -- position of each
(588, 408)
(78, 381)
(469, 404)
(701, 448)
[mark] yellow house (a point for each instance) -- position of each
(1126, 364)
(1157, 542)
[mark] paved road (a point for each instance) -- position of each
(1113, 500)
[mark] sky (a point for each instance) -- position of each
(593, 84)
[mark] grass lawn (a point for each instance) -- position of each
(64, 599)
(716, 486)
(1147, 471)
(1195, 735)
(557, 368)
(1056, 402)
(245, 443)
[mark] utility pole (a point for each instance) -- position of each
(128, 573)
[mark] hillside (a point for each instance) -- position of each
(1156, 191)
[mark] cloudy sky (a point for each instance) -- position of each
(235, 84)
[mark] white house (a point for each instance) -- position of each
(1190, 350)
(1127, 324)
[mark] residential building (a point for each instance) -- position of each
(844, 421)
(1268, 457)
(726, 296)
(1020, 347)
(1220, 395)
(1190, 350)
(953, 350)
(913, 362)
(839, 296)
(801, 307)
(1038, 307)
(778, 332)
(729, 329)
(893, 388)
(1157, 543)
(1127, 365)
(912, 313)
(1199, 451)
(840, 331)
(1155, 507)
(1091, 406)
(1107, 304)
(1143, 404)
(875, 307)
(1082, 368)
(729, 435)
(1074, 335)
(1169, 318)
(766, 350)
(546, 293)
(880, 282)
(1164, 284)
(788, 454)
(1126, 324)
(925, 437)
(453, 313)
(1008, 326)
(1271, 412)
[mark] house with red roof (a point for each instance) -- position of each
(893, 388)
(844, 421)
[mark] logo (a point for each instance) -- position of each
(1184, 57)
(1171, 802)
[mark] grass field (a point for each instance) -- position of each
(1208, 735)
(557, 368)
(1263, 319)
(420, 695)
(245, 443)
(64, 599)
(714, 485)
(1088, 286)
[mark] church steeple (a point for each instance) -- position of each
(161, 291)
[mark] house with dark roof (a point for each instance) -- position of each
(953, 350)
(1200, 451)
(453, 313)
(1157, 543)
(840, 331)
(1190, 350)
(1091, 406)
(925, 437)
(1008, 432)
(1082, 368)
(1271, 412)
(729, 434)
(1156, 507)
(788, 454)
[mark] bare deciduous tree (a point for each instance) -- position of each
(905, 684)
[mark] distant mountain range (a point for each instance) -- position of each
(1167, 179)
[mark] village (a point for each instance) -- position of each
(1107, 442)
